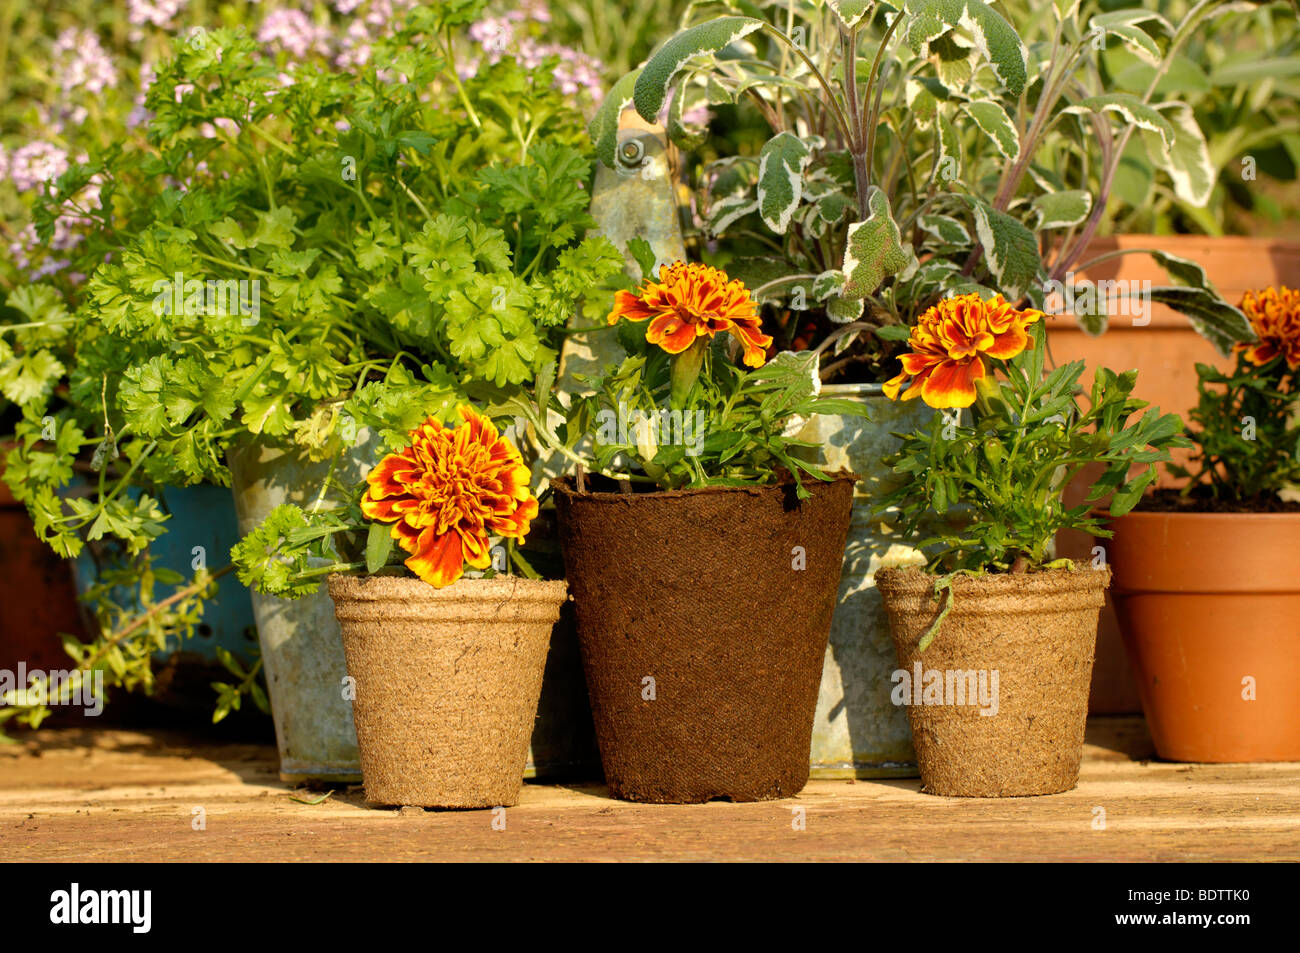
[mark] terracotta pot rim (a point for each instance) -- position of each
(564, 485)
(1223, 241)
(373, 588)
(1153, 516)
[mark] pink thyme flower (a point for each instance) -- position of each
(355, 46)
(36, 162)
(293, 30)
(159, 13)
(81, 62)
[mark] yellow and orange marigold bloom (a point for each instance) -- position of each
(449, 491)
(692, 301)
(1275, 315)
(950, 342)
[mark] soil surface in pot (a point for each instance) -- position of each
(703, 617)
(1002, 698)
(1199, 500)
(866, 361)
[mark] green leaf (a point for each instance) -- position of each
(379, 543)
(1135, 176)
(644, 255)
(998, 41)
(1126, 498)
(874, 248)
(603, 128)
(728, 210)
(1183, 270)
(416, 139)
(781, 165)
(1188, 164)
(921, 99)
(997, 125)
(1255, 69)
(1010, 250)
(844, 310)
(1137, 39)
(1130, 17)
(28, 377)
(947, 229)
(1131, 110)
(893, 332)
(275, 228)
(1062, 209)
(1213, 318)
(828, 284)
(949, 149)
(650, 88)
(851, 11)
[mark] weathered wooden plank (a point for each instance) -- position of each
(130, 796)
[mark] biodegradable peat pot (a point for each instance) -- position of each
(447, 682)
(702, 619)
(1037, 632)
(1208, 606)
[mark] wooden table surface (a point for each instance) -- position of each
(117, 795)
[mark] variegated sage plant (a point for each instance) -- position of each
(913, 151)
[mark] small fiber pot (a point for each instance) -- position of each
(1209, 608)
(447, 682)
(703, 617)
(1008, 674)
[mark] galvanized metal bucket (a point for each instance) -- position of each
(302, 647)
(858, 731)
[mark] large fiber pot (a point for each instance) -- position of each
(702, 619)
(447, 682)
(1025, 643)
(1209, 608)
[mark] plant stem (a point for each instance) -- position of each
(837, 110)
(140, 620)
(455, 78)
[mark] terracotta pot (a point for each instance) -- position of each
(1164, 348)
(447, 682)
(1209, 606)
(38, 598)
(1024, 643)
(702, 618)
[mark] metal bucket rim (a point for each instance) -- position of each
(854, 390)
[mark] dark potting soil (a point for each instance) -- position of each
(1200, 501)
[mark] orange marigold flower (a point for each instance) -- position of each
(448, 492)
(692, 301)
(950, 342)
(1275, 315)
